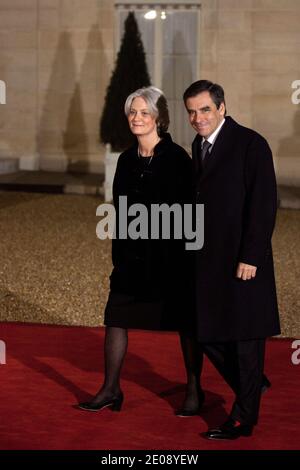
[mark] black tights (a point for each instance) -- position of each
(193, 360)
(224, 359)
(115, 347)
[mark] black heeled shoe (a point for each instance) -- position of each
(187, 412)
(115, 404)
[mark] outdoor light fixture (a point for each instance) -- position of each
(150, 15)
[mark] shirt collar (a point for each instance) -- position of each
(211, 139)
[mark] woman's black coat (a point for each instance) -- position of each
(152, 269)
(238, 190)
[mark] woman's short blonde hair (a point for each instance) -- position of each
(157, 104)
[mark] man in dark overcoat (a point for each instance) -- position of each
(235, 295)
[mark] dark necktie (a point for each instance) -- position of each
(204, 149)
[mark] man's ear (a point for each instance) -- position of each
(222, 109)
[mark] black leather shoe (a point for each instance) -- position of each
(266, 384)
(114, 403)
(229, 430)
(187, 412)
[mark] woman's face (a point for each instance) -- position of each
(141, 122)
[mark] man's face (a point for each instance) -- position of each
(203, 113)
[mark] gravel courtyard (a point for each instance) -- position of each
(55, 270)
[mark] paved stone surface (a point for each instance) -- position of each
(53, 182)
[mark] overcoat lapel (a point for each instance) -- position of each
(221, 150)
(196, 148)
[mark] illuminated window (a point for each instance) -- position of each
(171, 36)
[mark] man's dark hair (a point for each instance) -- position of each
(216, 91)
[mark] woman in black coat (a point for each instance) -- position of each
(147, 272)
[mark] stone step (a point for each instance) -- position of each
(8, 165)
(289, 197)
(53, 182)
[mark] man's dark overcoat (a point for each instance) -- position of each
(238, 189)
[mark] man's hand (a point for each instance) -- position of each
(245, 271)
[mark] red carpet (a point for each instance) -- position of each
(50, 368)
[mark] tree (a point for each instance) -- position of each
(130, 73)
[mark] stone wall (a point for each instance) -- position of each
(56, 58)
(252, 47)
(18, 68)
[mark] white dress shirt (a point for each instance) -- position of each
(211, 139)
